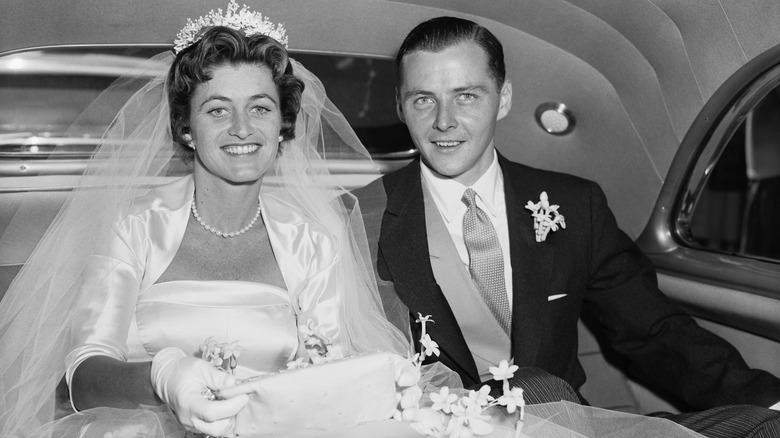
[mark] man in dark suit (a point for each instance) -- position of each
(459, 243)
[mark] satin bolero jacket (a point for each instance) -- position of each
(144, 243)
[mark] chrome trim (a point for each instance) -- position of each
(164, 47)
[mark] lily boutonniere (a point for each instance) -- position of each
(546, 217)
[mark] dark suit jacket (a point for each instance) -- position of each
(602, 272)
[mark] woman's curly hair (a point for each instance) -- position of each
(221, 46)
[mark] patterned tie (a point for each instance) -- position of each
(486, 261)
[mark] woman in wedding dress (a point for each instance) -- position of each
(249, 246)
(139, 269)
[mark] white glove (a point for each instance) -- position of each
(180, 380)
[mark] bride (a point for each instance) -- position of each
(247, 247)
(139, 269)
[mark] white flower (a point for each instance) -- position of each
(408, 414)
(423, 319)
(482, 397)
(467, 422)
(219, 354)
(479, 424)
(428, 422)
(297, 363)
(457, 428)
(319, 346)
(405, 372)
(448, 415)
(503, 371)
(430, 347)
(546, 217)
(443, 400)
(513, 400)
(410, 397)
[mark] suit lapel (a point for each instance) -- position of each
(404, 246)
(531, 265)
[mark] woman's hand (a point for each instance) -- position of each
(180, 381)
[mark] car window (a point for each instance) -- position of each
(737, 202)
(43, 92)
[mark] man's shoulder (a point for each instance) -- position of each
(524, 174)
(387, 183)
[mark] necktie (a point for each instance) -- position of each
(486, 261)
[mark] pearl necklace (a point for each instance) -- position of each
(222, 233)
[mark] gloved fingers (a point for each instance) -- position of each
(211, 411)
(215, 378)
(233, 391)
(223, 427)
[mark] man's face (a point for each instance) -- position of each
(450, 104)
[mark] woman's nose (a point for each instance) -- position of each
(240, 127)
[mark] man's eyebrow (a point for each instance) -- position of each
(480, 88)
(411, 93)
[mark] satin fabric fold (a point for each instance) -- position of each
(132, 317)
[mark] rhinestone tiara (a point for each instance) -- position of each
(251, 23)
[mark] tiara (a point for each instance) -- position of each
(251, 23)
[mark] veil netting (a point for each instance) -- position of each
(137, 153)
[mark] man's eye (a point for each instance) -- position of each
(467, 97)
(425, 100)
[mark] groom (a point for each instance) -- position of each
(458, 243)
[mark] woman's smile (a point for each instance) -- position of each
(241, 149)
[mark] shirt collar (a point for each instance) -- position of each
(447, 192)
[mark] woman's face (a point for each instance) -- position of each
(235, 121)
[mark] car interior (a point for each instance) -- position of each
(656, 101)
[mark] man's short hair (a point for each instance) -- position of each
(440, 33)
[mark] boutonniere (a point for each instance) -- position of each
(546, 217)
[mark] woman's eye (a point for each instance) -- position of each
(260, 110)
(218, 112)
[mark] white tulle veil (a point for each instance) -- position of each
(136, 153)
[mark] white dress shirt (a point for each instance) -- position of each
(447, 194)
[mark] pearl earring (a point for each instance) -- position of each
(281, 139)
(191, 144)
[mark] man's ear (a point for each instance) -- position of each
(398, 107)
(505, 100)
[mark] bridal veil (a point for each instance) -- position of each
(136, 153)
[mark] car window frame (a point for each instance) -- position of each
(663, 240)
(18, 165)
(702, 169)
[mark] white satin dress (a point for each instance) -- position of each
(130, 317)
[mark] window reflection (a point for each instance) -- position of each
(739, 209)
(44, 92)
